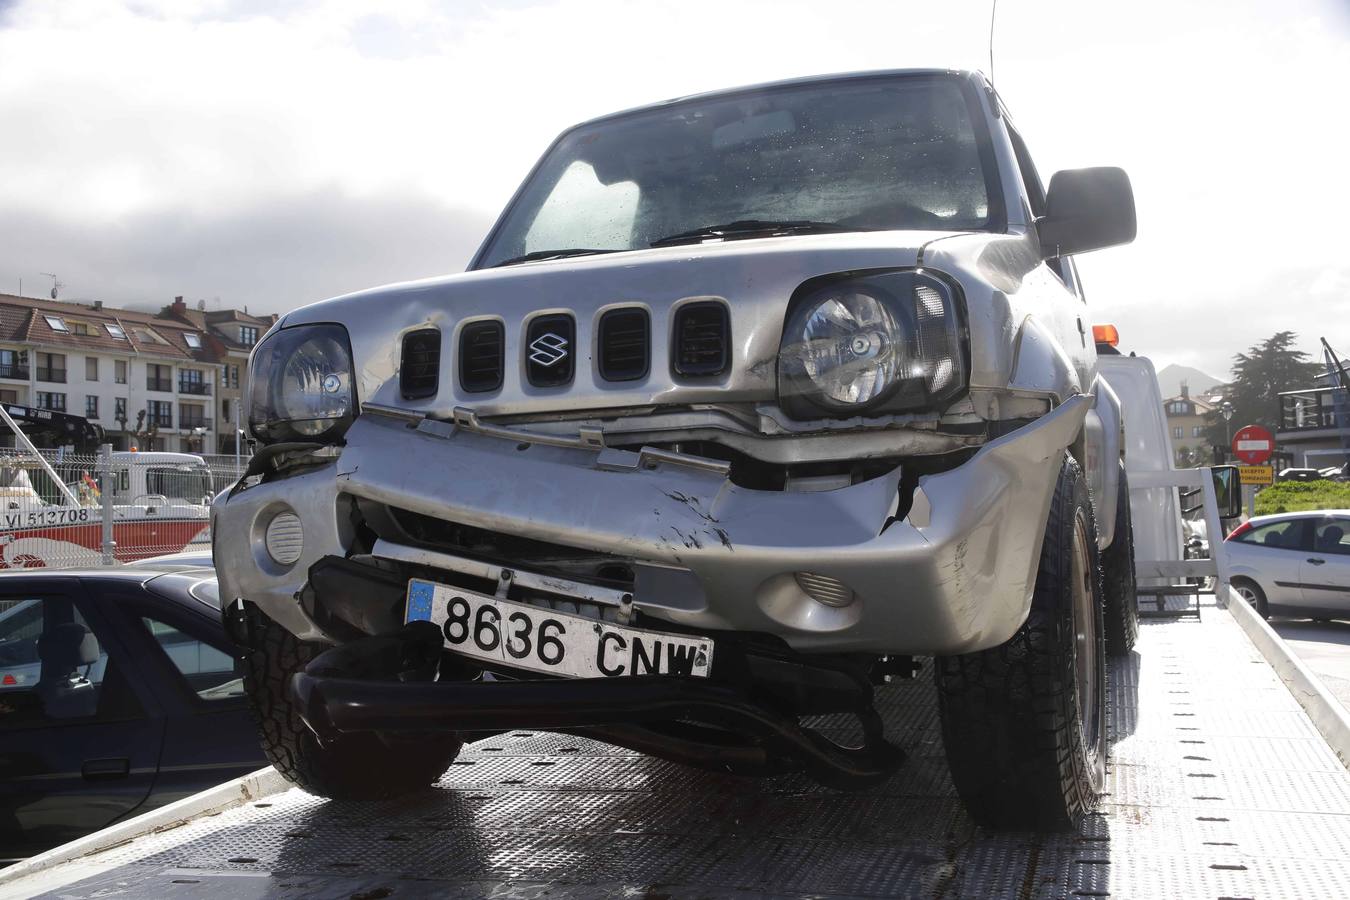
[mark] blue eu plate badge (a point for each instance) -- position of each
(419, 601)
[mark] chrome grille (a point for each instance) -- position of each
(702, 339)
(624, 344)
(420, 365)
(481, 352)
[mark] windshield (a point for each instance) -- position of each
(186, 482)
(902, 152)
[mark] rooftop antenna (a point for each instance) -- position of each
(993, 10)
(56, 285)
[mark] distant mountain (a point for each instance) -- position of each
(1171, 377)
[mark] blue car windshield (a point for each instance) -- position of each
(893, 152)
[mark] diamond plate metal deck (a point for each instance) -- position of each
(1219, 787)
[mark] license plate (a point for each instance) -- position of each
(521, 636)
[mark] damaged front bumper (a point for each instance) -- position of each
(826, 571)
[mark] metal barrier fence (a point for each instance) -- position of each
(63, 510)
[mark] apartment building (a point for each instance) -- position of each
(150, 383)
(231, 335)
(1186, 426)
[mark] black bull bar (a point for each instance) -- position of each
(694, 721)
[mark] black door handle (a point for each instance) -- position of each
(1315, 561)
(117, 767)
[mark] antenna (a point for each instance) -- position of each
(993, 10)
(56, 285)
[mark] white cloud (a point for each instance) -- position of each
(217, 113)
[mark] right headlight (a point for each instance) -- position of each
(301, 386)
(887, 342)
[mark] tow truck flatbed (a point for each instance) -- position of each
(1219, 786)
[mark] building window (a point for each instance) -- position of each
(90, 406)
(191, 415)
(120, 410)
(78, 327)
(192, 381)
(115, 331)
(248, 335)
(1197, 431)
(9, 396)
(234, 376)
(14, 364)
(48, 400)
(120, 371)
(91, 368)
(194, 340)
(159, 413)
(1176, 432)
(51, 367)
(158, 378)
(56, 323)
(225, 410)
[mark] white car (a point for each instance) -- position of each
(1295, 564)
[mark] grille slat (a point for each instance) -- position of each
(481, 354)
(419, 372)
(624, 344)
(702, 339)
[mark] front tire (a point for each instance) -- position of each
(1024, 723)
(1121, 606)
(353, 767)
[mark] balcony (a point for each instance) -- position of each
(163, 385)
(160, 421)
(1311, 410)
(194, 387)
(186, 422)
(17, 372)
(45, 373)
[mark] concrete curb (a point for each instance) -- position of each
(246, 789)
(1326, 712)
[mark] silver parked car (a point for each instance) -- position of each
(748, 400)
(1294, 564)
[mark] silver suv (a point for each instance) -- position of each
(748, 401)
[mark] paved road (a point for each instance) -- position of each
(1325, 648)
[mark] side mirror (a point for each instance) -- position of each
(1227, 491)
(1086, 209)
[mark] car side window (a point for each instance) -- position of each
(53, 668)
(1332, 536)
(1283, 535)
(208, 670)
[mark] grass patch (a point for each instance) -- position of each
(1298, 496)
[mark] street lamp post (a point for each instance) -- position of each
(1227, 412)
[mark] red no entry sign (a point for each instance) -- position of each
(1253, 444)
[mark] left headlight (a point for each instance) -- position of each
(301, 385)
(886, 342)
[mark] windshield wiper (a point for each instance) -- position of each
(745, 228)
(534, 255)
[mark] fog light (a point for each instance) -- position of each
(285, 538)
(823, 589)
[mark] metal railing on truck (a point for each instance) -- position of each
(1192, 572)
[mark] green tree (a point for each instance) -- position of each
(1259, 375)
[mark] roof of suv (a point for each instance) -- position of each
(775, 85)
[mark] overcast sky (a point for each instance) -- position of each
(273, 154)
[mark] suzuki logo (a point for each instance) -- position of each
(548, 349)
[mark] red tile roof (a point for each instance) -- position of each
(23, 319)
